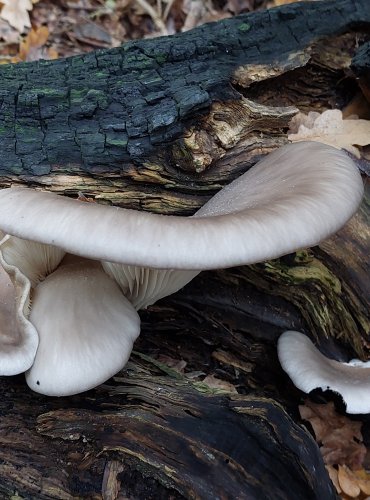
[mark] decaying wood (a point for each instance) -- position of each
(137, 125)
(161, 125)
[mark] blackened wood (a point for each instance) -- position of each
(152, 432)
(100, 112)
(361, 67)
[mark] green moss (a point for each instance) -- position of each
(310, 270)
(50, 92)
(206, 389)
(161, 58)
(28, 133)
(77, 96)
(161, 366)
(114, 141)
(19, 129)
(16, 169)
(244, 27)
(98, 97)
(100, 74)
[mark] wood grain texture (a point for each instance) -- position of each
(161, 125)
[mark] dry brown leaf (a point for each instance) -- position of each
(176, 364)
(216, 383)
(38, 37)
(238, 6)
(195, 10)
(363, 481)
(8, 34)
(16, 13)
(283, 2)
(330, 128)
(333, 474)
(353, 484)
(340, 438)
(348, 482)
(32, 47)
(84, 198)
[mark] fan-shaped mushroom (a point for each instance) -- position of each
(309, 369)
(79, 252)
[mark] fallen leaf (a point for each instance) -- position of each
(93, 34)
(7, 33)
(333, 474)
(176, 364)
(238, 6)
(339, 438)
(195, 10)
(84, 198)
(16, 13)
(218, 384)
(330, 128)
(363, 481)
(348, 482)
(32, 47)
(199, 12)
(284, 2)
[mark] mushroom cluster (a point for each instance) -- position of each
(76, 273)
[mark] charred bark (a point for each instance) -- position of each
(148, 117)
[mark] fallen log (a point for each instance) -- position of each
(161, 125)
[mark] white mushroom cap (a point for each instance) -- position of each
(86, 327)
(18, 337)
(309, 369)
(294, 198)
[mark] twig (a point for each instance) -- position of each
(167, 10)
(152, 13)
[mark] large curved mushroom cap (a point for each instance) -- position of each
(294, 198)
(309, 369)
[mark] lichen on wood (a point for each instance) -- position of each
(161, 125)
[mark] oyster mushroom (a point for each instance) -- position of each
(309, 369)
(102, 262)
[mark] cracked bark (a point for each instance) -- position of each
(161, 125)
(137, 125)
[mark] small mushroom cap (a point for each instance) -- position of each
(86, 327)
(18, 338)
(294, 198)
(309, 369)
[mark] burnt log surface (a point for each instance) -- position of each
(207, 105)
(102, 109)
(149, 112)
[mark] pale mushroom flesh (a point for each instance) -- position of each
(293, 198)
(309, 369)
